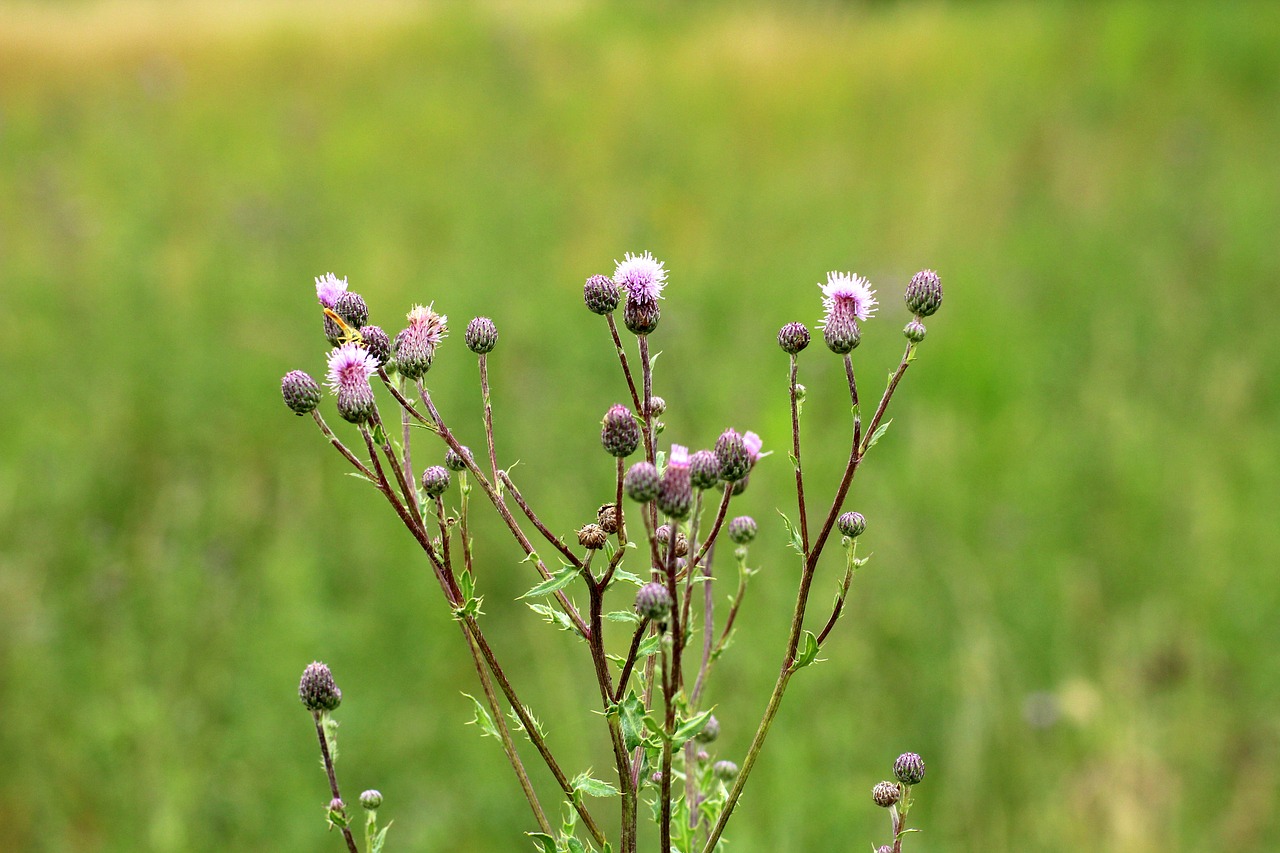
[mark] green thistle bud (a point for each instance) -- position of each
(884, 848)
(909, 768)
(851, 524)
(841, 334)
(914, 331)
(742, 529)
(592, 537)
(620, 433)
(455, 461)
(435, 481)
(731, 452)
(377, 343)
(481, 335)
(601, 294)
(641, 482)
(370, 800)
(653, 601)
(300, 391)
(710, 731)
(886, 794)
(924, 293)
(351, 308)
(317, 689)
(704, 469)
(793, 338)
(725, 771)
(657, 405)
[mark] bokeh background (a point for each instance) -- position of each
(1072, 607)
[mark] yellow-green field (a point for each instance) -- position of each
(1073, 610)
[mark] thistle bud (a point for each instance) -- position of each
(742, 529)
(725, 771)
(641, 316)
(300, 391)
(675, 490)
(356, 404)
(377, 343)
(332, 331)
(841, 334)
(884, 848)
(481, 335)
(317, 689)
(653, 601)
(592, 537)
(657, 405)
(370, 800)
(435, 481)
(851, 524)
(620, 434)
(709, 732)
(914, 331)
(663, 535)
(909, 768)
(351, 308)
(641, 482)
(415, 344)
(731, 452)
(924, 293)
(607, 518)
(703, 756)
(336, 807)
(704, 469)
(886, 794)
(737, 487)
(793, 338)
(455, 461)
(601, 294)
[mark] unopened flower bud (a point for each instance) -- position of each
(731, 452)
(656, 777)
(704, 469)
(620, 433)
(914, 331)
(601, 294)
(909, 768)
(884, 848)
(851, 524)
(370, 800)
(924, 293)
(592, 537)
(703, 756)
(317, 689)
(332, 331)
(455, 461)
(337, 806)
(841, 334)
(351, 308)
(725, 771)
(742, 529)
(481, 335)
(653, 601)
(435, 481)
(301, 392)
(641, 482)
(663, 535)
(377, 343)
(710, 731)
(793, 338)
(607, 518)
(657, 405)
(886, 794)
(641, 316)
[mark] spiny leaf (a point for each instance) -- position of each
(797, 544)
(545, 843)
(631, 717)
(482, 720)
(878, 434)
(558, 581)
(808, 653)
(689, 728)
(556, 617)
(623, 616)
(585, 783)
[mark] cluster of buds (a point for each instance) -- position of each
(676, 498)
(895, 794)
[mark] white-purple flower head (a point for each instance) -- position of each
(752, 443)
(675, 490)
(847, 295)
(643, 277)
(350, 367)
(328, 288)
(679, 456)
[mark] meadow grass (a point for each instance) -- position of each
(1072, 518)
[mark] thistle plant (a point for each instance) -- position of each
(648, 557)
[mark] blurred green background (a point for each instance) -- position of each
(1072, 607)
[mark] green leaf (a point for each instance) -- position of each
(544, 842)
(556, 617)
(878, 434)
(558, 581)
(482, 720)
(623, 616)
(467, 584)
(624, 575)
(797, 544)
(631, 716)
(689, 728)
(573, 845)
(649, 646)
(592, 787)
(360, 476)
(379, 437)
(809, 652)
(379, 840)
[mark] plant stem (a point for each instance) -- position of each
(622, 359)
(554, 540)
(333, 777)
(488, 416)
(795, 452)
(620, 759)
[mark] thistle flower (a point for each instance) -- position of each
(481, 335)
(924, 293)
(377, 343)
(710, 731)
(675, 491)
(663, 535)
(752, 443)
(849, 295)
(641, 482)
(914, 331)
(370, 800)
(601, 294)
(641, 317)
(653, 601)
(742, 529)
(300, 391)
(416, 343)
(641, 276)
(350, 367)
(351, 307)
(435, 481)
(793, 338)
(456, 461)
(851, 524)
(909, 768)
(607, 518)
(725, 771)
(704, 469)
(731, 451)
(841, 334)
(619, 433)
(328, 288)
(317, 689)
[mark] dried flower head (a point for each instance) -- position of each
(663, 535)
(350, 367)
(886, 794)
(592, 537)
(328, 288)
(317, 689)
(607, 518)
(416, 343)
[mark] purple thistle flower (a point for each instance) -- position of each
(328, 288)
(846, 295)
(350, 367)
(675, 491)
(416, 343)
(643, 277)
(752, 443)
